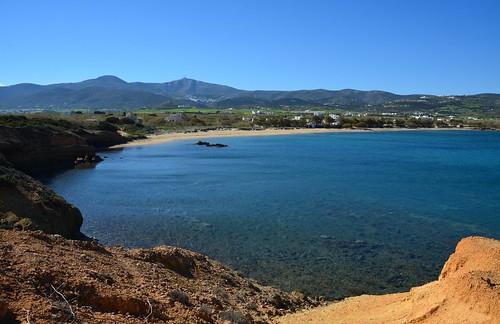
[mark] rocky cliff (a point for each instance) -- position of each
(26, 204)
(36, 146)
(467, 291)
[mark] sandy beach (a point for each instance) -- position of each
(169, 137)
(177, 136)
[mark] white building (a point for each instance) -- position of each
(175, 118)
(131, 116)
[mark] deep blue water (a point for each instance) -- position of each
(330, 214)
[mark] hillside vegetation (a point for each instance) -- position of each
(110, 92)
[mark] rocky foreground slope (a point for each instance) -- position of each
(467, 291)
(46, 278)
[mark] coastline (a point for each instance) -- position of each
(178, 136)
(163, 283)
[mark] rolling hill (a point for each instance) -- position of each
(111, 92)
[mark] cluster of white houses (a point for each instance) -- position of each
(321, 118)
(309, 117)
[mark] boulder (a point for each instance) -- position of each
(178, 260)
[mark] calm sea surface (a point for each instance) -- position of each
(330, 214)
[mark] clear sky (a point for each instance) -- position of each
(419, 46)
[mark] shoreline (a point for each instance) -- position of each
(115, 272)
(178, 136)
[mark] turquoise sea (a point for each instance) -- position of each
(325, 214)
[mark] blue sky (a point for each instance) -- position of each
(439, 47)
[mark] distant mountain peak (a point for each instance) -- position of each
(185, 80)
(110, 78)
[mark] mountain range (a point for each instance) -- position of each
(111, 92)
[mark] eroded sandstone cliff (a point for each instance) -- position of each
(467, 291)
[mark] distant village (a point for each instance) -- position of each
(147, 121)
(308, 118)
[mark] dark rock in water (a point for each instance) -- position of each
(26, 204)
(208, 144)
(87, 161)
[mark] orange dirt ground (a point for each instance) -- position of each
(468, 291)
(48, 279)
